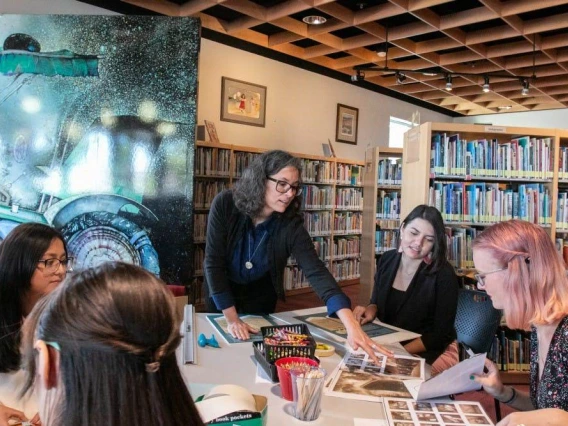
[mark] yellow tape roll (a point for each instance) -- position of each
(323, 349)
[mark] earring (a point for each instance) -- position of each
(400, 247)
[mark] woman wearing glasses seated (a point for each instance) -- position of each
(251, 232)
(416, 288)
(100, 350)
(519, 268)
(33, 261)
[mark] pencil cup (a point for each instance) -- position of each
(307, 389)
(284, 366)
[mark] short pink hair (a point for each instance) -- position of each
(536, 279)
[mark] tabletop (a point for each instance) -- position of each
(235, 364)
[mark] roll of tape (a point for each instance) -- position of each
(323, 349)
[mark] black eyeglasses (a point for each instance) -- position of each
(52, 265)
(283, 186)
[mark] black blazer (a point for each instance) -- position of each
(429, 306)
(225, 228)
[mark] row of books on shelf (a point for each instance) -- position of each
(386, 240)
(322, 223)
(342, 248)
(460, 254)
(390, 172)
(205, 191)
(563, 163)
(199, 226)
(388, 205)
(522, 157)
(347, 269)
(484, 202)
(562, 210)
(511, 350)
(198, 258)
(317, 171)
(349, 198)
(212, 161)
(242, 161)
(317, 197)
(348, 174)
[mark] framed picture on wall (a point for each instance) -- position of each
(242, 102)
(346, 124)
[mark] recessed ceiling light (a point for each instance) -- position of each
(314, 20)
(505, 107)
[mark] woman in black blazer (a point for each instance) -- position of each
(416, 288)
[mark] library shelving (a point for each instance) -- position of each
(477, 175)
(381, 210)
(332, 206)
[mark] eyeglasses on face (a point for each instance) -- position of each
(481, 277)
(52, 265)
(283, 186)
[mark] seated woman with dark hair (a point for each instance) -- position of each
(416, 288)
(100, 350)
(33, 261)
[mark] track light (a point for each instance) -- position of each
(400, 77)
(525, 89)
(358, 76)
(449, 82)
(486, 86)
(382, 50)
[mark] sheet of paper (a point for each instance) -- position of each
(452, 381)
(220, 323)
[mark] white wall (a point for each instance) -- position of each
(556, 118)
(301, 105)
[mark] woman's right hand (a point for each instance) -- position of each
(365, 315)
(241, 330)
(7, 413)
(491, 381)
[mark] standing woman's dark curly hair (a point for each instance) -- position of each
(115, 328)
(20, 253)
(248, 193)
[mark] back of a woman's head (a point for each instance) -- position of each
(536, 282)
(20, 253)
(117, 328)
(249, 191)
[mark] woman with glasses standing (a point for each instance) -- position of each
(33, 261)
(251, 232)
(523, 274)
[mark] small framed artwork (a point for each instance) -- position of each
(346, 124)
(212, 131)
(242, 102)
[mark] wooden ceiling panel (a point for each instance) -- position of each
(468, 39)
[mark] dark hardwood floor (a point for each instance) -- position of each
(311, 300)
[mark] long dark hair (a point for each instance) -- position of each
(118, 329)
(19, 255)
(434, 218)
(249, 191)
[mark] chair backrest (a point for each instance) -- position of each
(476, 320)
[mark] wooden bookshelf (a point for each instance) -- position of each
(373, 184)
(338, 181)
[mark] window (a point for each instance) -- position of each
(397, 128)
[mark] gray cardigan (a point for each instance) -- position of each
(225, 228)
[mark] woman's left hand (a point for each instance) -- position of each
(357, 338)
(552, 417)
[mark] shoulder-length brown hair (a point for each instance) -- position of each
(117, 329)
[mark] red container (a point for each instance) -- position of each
(284, 373)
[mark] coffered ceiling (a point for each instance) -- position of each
(464, 39)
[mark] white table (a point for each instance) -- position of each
(235, 364)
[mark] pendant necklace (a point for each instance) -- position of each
(248, 263)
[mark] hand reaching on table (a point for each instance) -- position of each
(364, 315)
(7, 414)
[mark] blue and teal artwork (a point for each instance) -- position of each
(97, 130)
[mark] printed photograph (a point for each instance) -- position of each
(470, 409)
(365, 384)
(426, 417)
(446, 408)
(478, 420)
(401, 415)
(452, 418)
(398, 405)
(407, 368)
(422, 406)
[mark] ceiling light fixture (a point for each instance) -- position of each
(400, 77)
(382, 50)
(525, 84)
(486, 86)
(314, 20)
(449, 82)
(505, 107)
(358, 76)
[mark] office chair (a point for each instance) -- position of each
(476, 323)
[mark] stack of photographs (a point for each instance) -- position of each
(401, 412)
(358, 377)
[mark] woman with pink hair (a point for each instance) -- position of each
(519, 268)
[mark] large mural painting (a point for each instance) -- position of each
(97, 123)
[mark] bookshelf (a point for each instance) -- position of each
(332, 205)
(381, 210)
